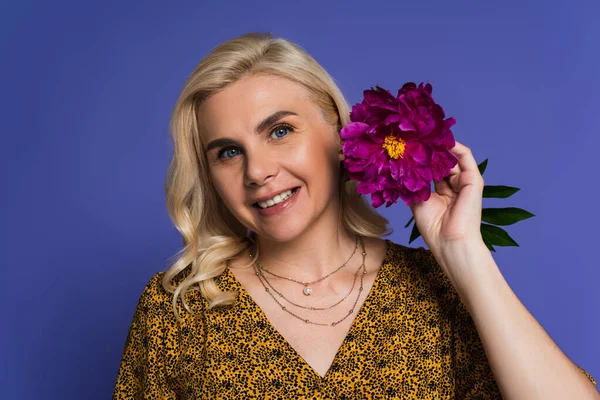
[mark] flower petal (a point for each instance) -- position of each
(377, 199)
(419, 153)
(353, 130)
(396, 169)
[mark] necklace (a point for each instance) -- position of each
(306, 320)
(262, 276)
(307, 285)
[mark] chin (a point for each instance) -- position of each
(282, 233)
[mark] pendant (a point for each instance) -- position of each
(307, 291)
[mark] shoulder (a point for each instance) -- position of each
(420, 274)
(155, 344)
(418, 261)
(155, 302)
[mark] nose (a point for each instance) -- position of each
(260, 168)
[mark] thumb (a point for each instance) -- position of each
(414, 207)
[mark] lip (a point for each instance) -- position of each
(281, 207)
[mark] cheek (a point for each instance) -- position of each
(317, 162)
(226, 187)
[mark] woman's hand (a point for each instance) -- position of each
(451, 218)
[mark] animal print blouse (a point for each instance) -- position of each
(412, 339)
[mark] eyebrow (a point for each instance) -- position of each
(263, 125)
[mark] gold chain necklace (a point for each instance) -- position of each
(306, 320)
(307, 285)
(262, 276)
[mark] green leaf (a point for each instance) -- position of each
(487, 243)
(497, 236)
(499, 192)
(483, 166)
(504, 216)
(409, 221)
(414, 234)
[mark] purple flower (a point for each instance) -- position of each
(395, 146)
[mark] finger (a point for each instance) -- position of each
(466, 161)
(448, 185)
(443, 188)
(455, 170)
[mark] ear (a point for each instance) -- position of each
(340, 143)
(341, 155)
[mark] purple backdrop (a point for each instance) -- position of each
(87, 89)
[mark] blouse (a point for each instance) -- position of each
(413, 338)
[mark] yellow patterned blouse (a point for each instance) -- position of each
(412, 339)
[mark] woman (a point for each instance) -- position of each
(284, 288)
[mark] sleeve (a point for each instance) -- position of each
(142, 371)
(587, 374)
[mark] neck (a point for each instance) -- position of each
(312, 254)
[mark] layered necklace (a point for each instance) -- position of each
(260, 269)
(307, 285)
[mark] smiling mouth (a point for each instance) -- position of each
(276, 200)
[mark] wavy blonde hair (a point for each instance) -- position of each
(212, 236)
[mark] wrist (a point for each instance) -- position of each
(464, 263)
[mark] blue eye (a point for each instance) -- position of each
(278, 132)
(281, 131)
(229, 152)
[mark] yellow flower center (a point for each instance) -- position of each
(394, 146)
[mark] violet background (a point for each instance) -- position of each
(86, 91)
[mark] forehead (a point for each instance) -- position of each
(243, 104)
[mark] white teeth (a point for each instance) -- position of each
(275, 200)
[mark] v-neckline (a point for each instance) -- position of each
(364, 308)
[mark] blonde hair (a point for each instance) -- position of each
(212, 236)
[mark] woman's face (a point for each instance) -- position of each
(264, 137)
